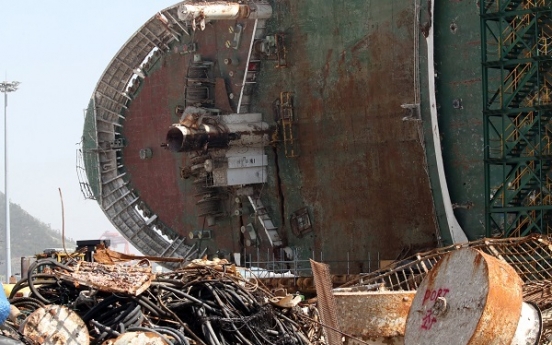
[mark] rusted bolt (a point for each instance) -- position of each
(440, 306)
(457, 103)
(453, 28)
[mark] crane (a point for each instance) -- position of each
(116, 239)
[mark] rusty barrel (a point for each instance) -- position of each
(471, 298)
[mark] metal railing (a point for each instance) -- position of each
(290, 262)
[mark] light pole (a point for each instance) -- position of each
(6, 87)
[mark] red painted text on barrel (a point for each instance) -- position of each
(433, 294)
(428, 320)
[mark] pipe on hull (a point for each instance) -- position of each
(222, 10)
(183, 139)
(197, 135)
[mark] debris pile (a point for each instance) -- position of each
(118, 300)
(206, 302)
(530, 257)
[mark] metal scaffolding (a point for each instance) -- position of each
(516, 47)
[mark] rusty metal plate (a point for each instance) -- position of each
(137, 338)
(467, 298)
(383, 313)
(55, 325)
(118, 278)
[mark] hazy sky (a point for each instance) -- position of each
(58, 51)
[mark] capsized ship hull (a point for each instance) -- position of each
(350, 176)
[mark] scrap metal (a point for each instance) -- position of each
(132, 279)
(326, 301)
(205, 302)
(55, 324)
(530, 257)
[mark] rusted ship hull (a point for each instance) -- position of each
(368, 142)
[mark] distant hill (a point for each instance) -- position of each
(28, 236)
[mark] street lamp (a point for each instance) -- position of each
(5, 87)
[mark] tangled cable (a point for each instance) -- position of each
(198, 305)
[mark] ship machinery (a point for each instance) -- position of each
(274, 132)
